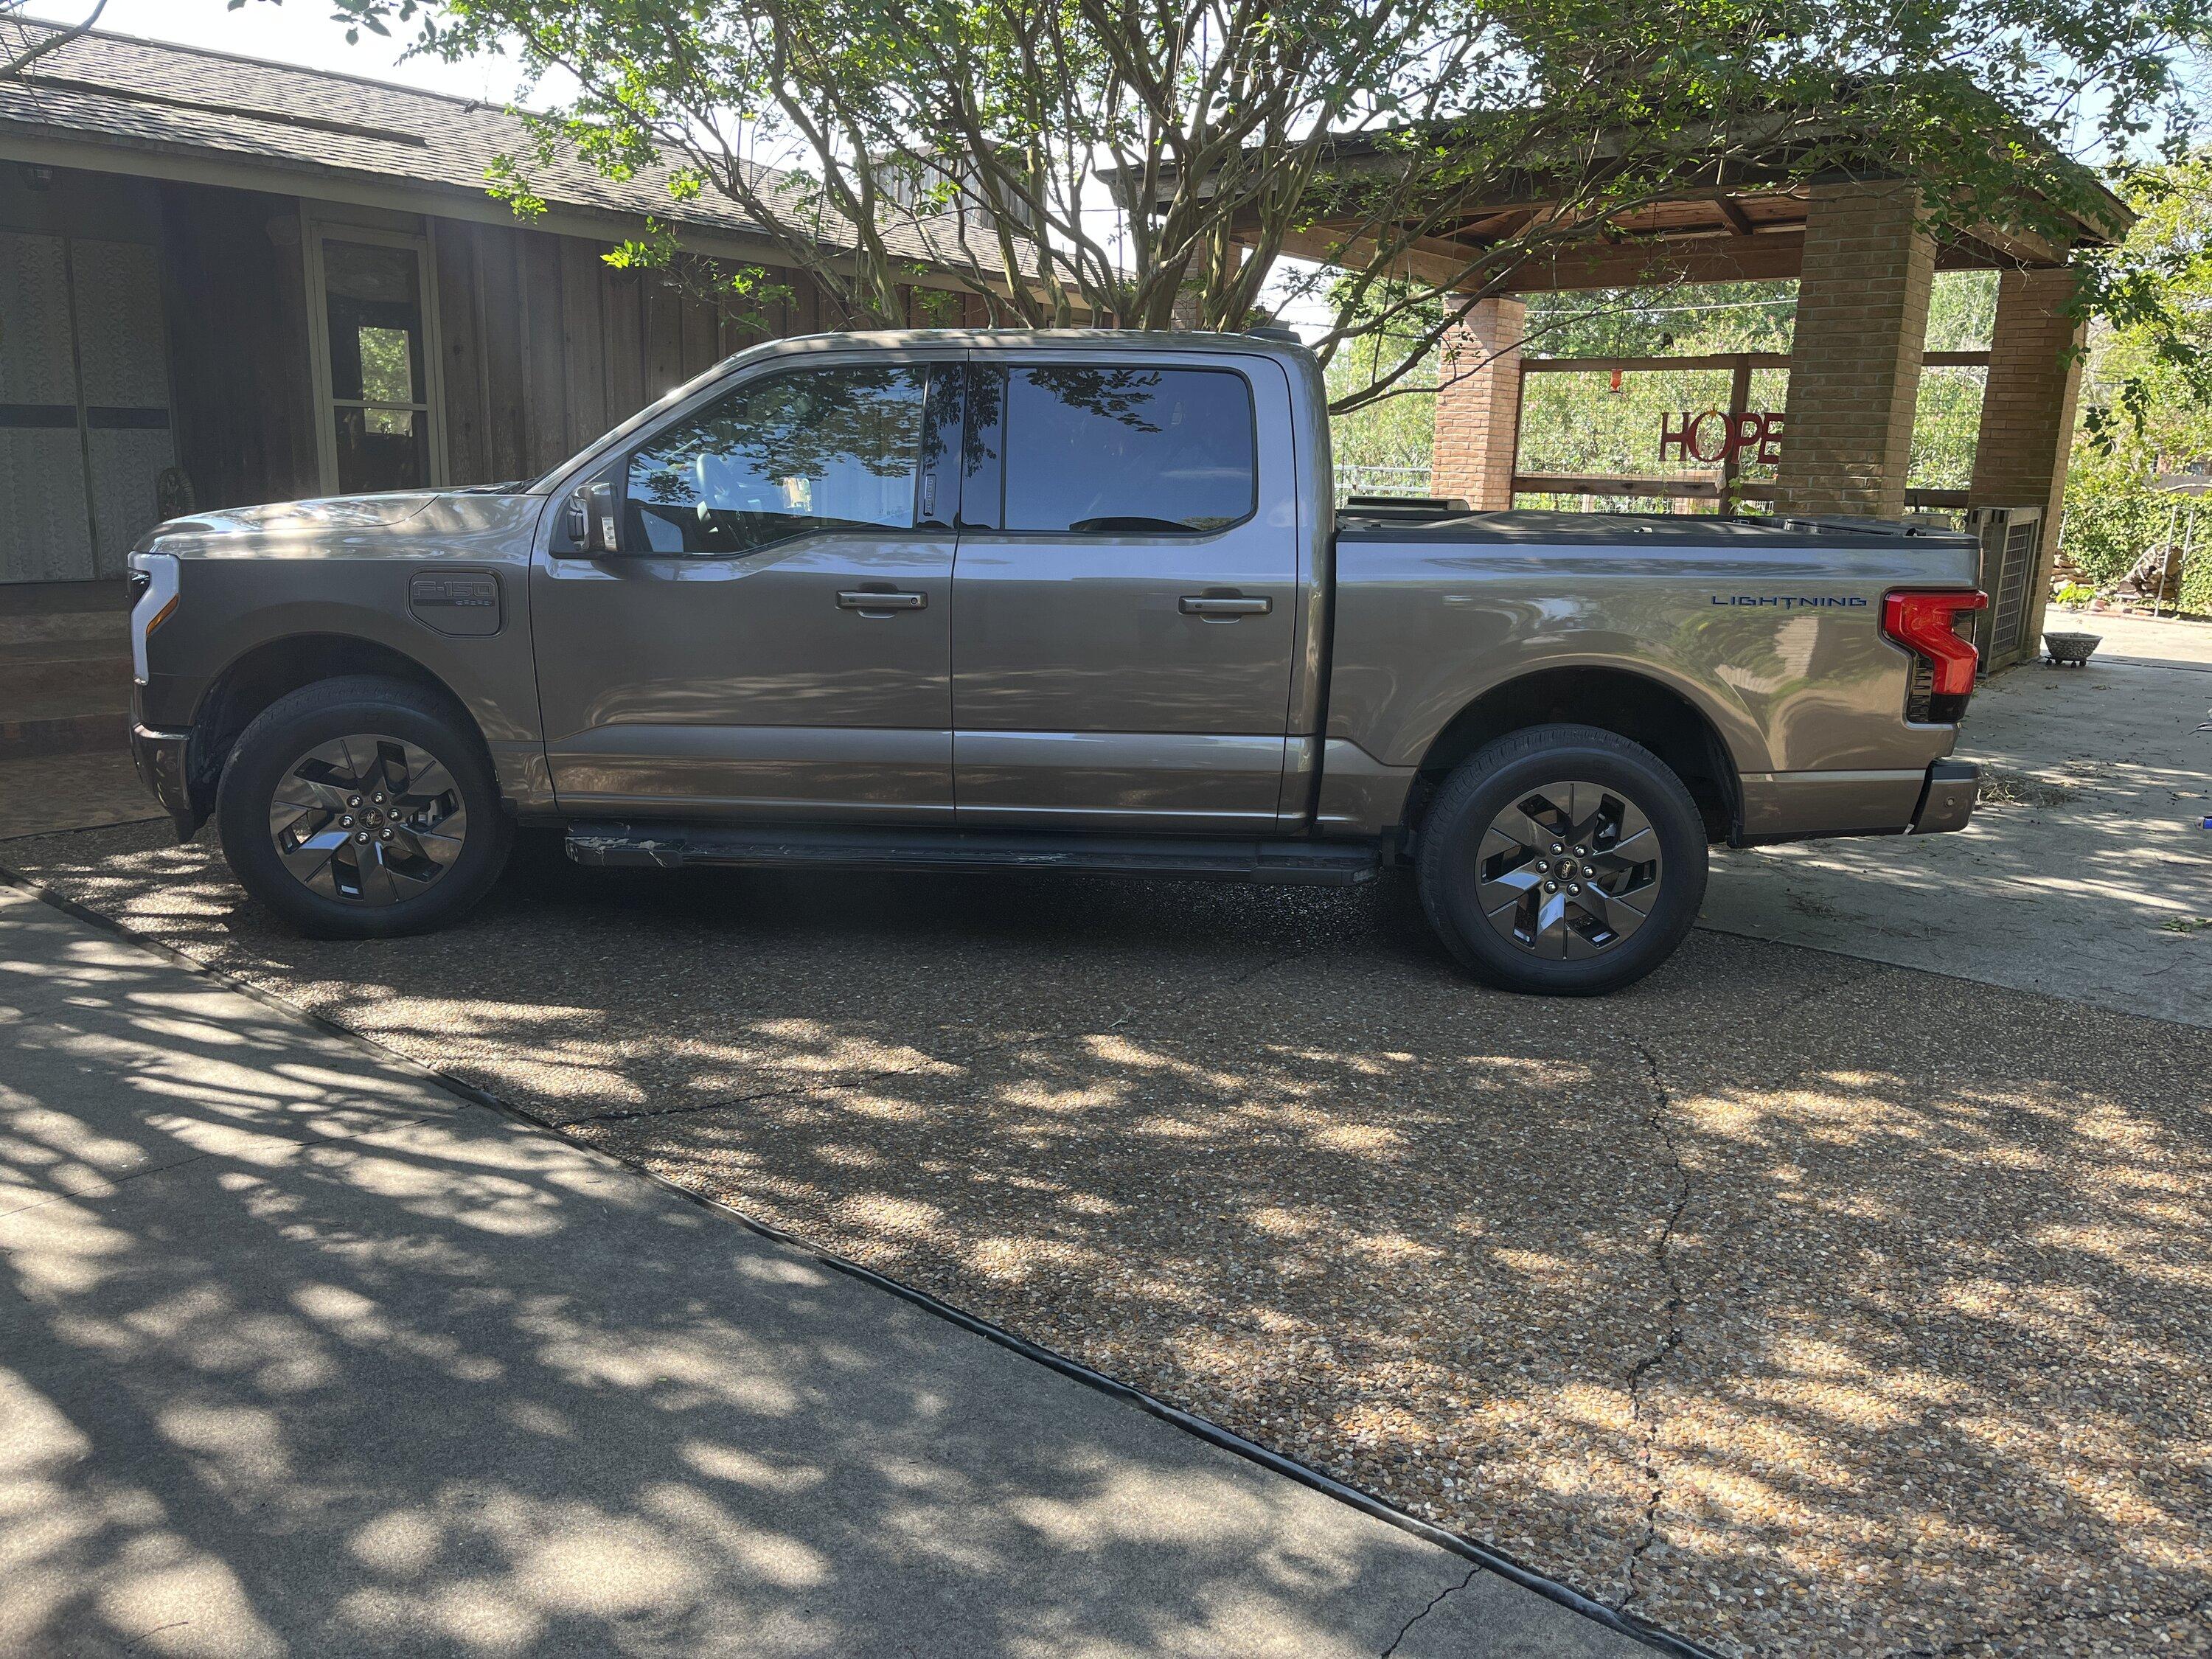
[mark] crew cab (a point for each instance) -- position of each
(1054, 601)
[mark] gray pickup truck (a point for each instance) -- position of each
(1074, 601)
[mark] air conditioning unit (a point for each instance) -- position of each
(2012, 555)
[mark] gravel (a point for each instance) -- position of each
(1796, 1303)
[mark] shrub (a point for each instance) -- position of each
(2113, 517)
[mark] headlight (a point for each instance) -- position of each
(153, 596)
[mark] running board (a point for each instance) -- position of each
(681, 846)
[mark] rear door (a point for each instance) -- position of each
(1124, 596)
(773, 640)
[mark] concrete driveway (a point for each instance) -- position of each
(1799, 1300)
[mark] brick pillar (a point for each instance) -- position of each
(1479, 405)
(2027, 411)
(1855, 361)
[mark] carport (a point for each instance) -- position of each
(1864, 255)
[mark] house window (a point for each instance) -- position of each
(379, 430)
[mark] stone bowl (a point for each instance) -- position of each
(2070, 650)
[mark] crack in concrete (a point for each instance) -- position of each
(2202, 1607)
(1434, 1602)
(1660, 1120)
(1663, 1254)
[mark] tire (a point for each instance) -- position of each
(1486, 849)
(419, 857)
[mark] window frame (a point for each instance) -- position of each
(989, 441)
(938, 371)
(316, 232)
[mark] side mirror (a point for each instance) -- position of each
(590, 520)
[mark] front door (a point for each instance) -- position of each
(773, 638)
(1124, 601)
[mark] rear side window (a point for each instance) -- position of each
(816, 450)
(1099, 451)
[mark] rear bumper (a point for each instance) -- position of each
(1948, 801)
(161, 758)
(1812, 806)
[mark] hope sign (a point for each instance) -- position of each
(1758, 433)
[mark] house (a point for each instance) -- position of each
(224, 281)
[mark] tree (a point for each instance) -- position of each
(1148, 160)
(2148, 410)
(15, 58)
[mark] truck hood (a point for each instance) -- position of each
(340, 524)
(330, 513)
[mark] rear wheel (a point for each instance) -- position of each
(361, 808)
(1562, 859)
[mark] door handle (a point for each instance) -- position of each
(849, 600)
(1206, 605)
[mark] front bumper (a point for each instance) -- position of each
(1948, 801)
(161, 758)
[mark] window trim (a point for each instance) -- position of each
(616, 469)
(313, 234)
(994, 436)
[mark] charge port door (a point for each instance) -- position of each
(462, 603)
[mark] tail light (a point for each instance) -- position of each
(1927, 625)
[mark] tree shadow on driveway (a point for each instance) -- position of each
(1783, 1297)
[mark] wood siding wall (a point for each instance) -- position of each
(546, 346)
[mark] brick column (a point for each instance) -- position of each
(1855, 361)
(1479, 405)
(2027, 433)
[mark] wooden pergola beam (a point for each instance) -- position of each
(1738, 221)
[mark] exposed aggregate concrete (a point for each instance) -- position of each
(1799, 1304)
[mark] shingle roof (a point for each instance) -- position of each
(119, 90)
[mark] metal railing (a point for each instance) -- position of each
(1353, 479)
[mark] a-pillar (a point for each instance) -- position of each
(1854, 360)
(2027, 411)
(1479, 405)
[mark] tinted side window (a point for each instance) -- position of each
(1129, 450)
(815, 450)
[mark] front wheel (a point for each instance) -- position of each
(1562, 859)
(362, 808)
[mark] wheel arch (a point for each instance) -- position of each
(1637, 707)
(257, 677)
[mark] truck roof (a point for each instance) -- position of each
(1052, 339)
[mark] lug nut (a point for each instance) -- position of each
(387, 835)
(361, 834)
(1590, 869)
(355, 801)
(1574, 887)
(345, 820)
(1550, 887)
(1556, 848)
(1580, 852)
